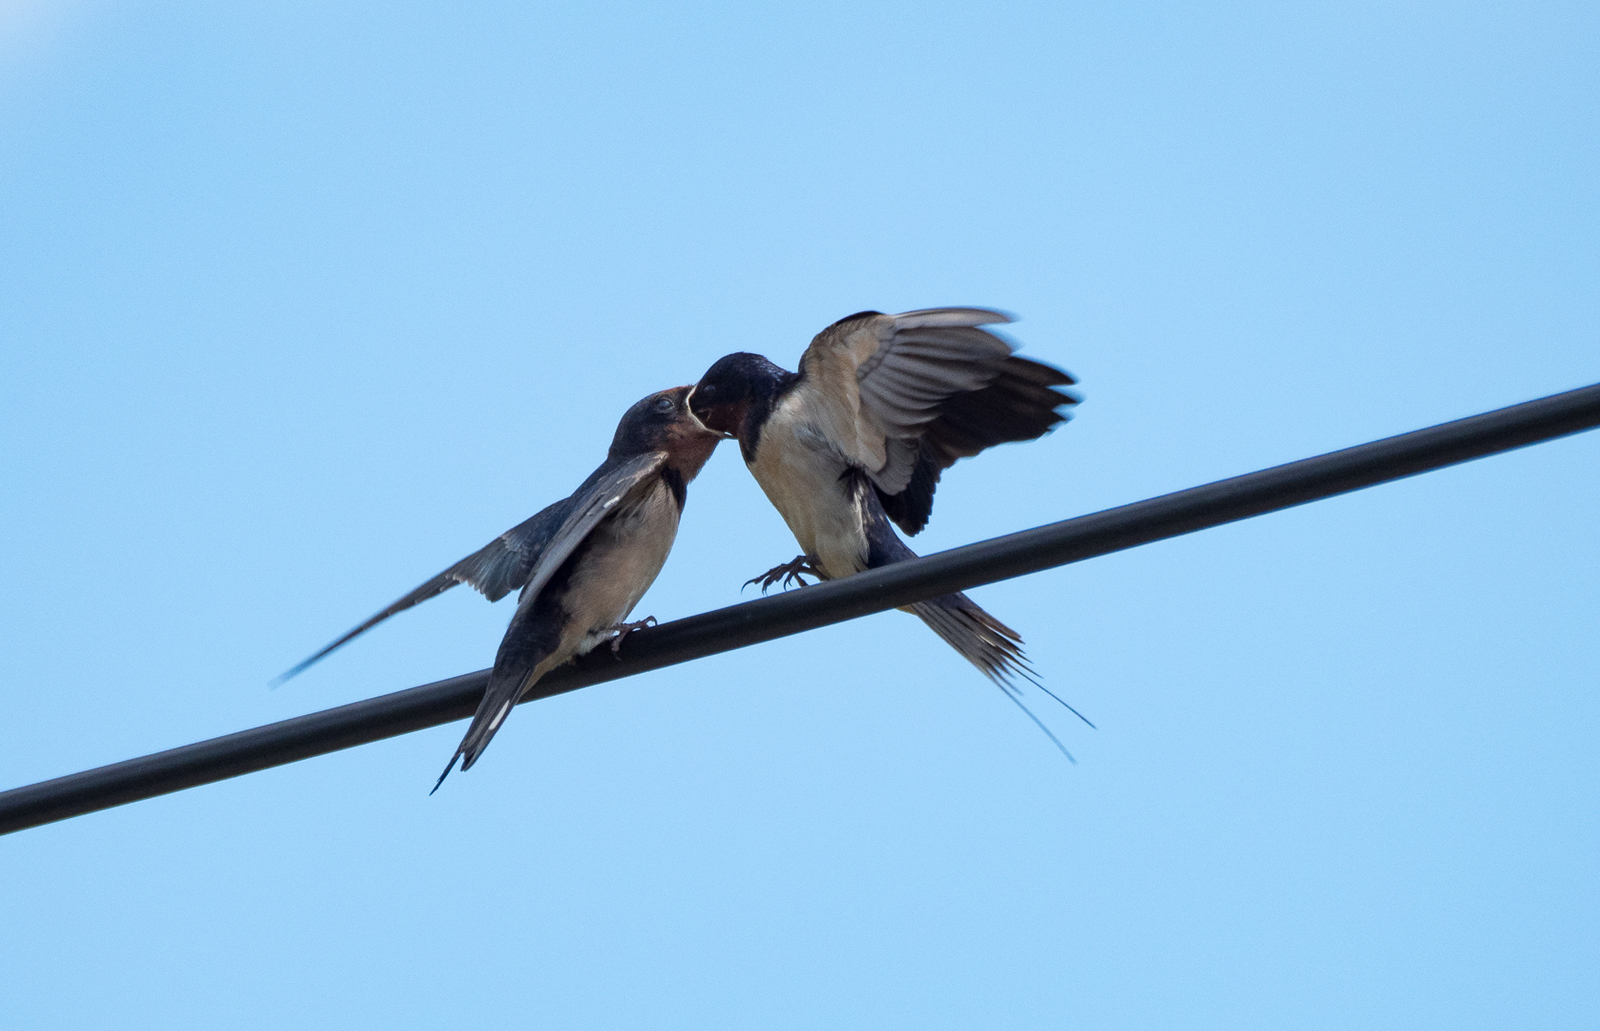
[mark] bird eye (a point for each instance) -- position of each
(707, 391)
(664, 404)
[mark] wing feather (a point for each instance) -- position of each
(516, 667)
(904, 396)
(590, 505)
(496, 570)
(520, 557)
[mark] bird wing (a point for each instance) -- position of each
(903, 396)
(497, 569)
(510, 679)
(1022, 403)
(593, 502)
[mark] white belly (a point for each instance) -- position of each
(804, 480)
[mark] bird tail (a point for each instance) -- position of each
(993, 647)
(505, 689)
(982, 640)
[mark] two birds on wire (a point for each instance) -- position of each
(853, 442)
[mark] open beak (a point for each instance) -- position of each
(688, 407)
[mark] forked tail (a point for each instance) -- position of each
(990, 645)
(503, 693)
(982, 640)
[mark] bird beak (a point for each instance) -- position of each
(688, 407)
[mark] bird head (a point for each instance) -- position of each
(662, 422)
(723, 397)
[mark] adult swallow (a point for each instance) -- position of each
(859, 437)
(582, 564)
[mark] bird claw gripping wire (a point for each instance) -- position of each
(789, 574)
(624, 629)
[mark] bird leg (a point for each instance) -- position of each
(624, 629)
(789, 573)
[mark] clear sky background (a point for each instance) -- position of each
(304, 301)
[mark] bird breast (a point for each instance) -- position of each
(619, 563)
(803, 475)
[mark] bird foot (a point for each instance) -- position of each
(624, 629)
(789, 574)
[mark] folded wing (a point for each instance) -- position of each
(516, 665)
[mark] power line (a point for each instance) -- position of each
(765, 619)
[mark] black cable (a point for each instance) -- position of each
(764, 619)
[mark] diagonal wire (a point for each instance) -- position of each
(1044, 547)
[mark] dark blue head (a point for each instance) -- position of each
(735, 388)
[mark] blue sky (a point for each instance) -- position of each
(303, 302)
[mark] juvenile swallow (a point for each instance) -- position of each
(859, 437)
(582, 564)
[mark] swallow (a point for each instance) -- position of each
(854, 444)
(582, 564)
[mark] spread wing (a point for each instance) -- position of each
(499, 568)
(904, 396)
(515, 665)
